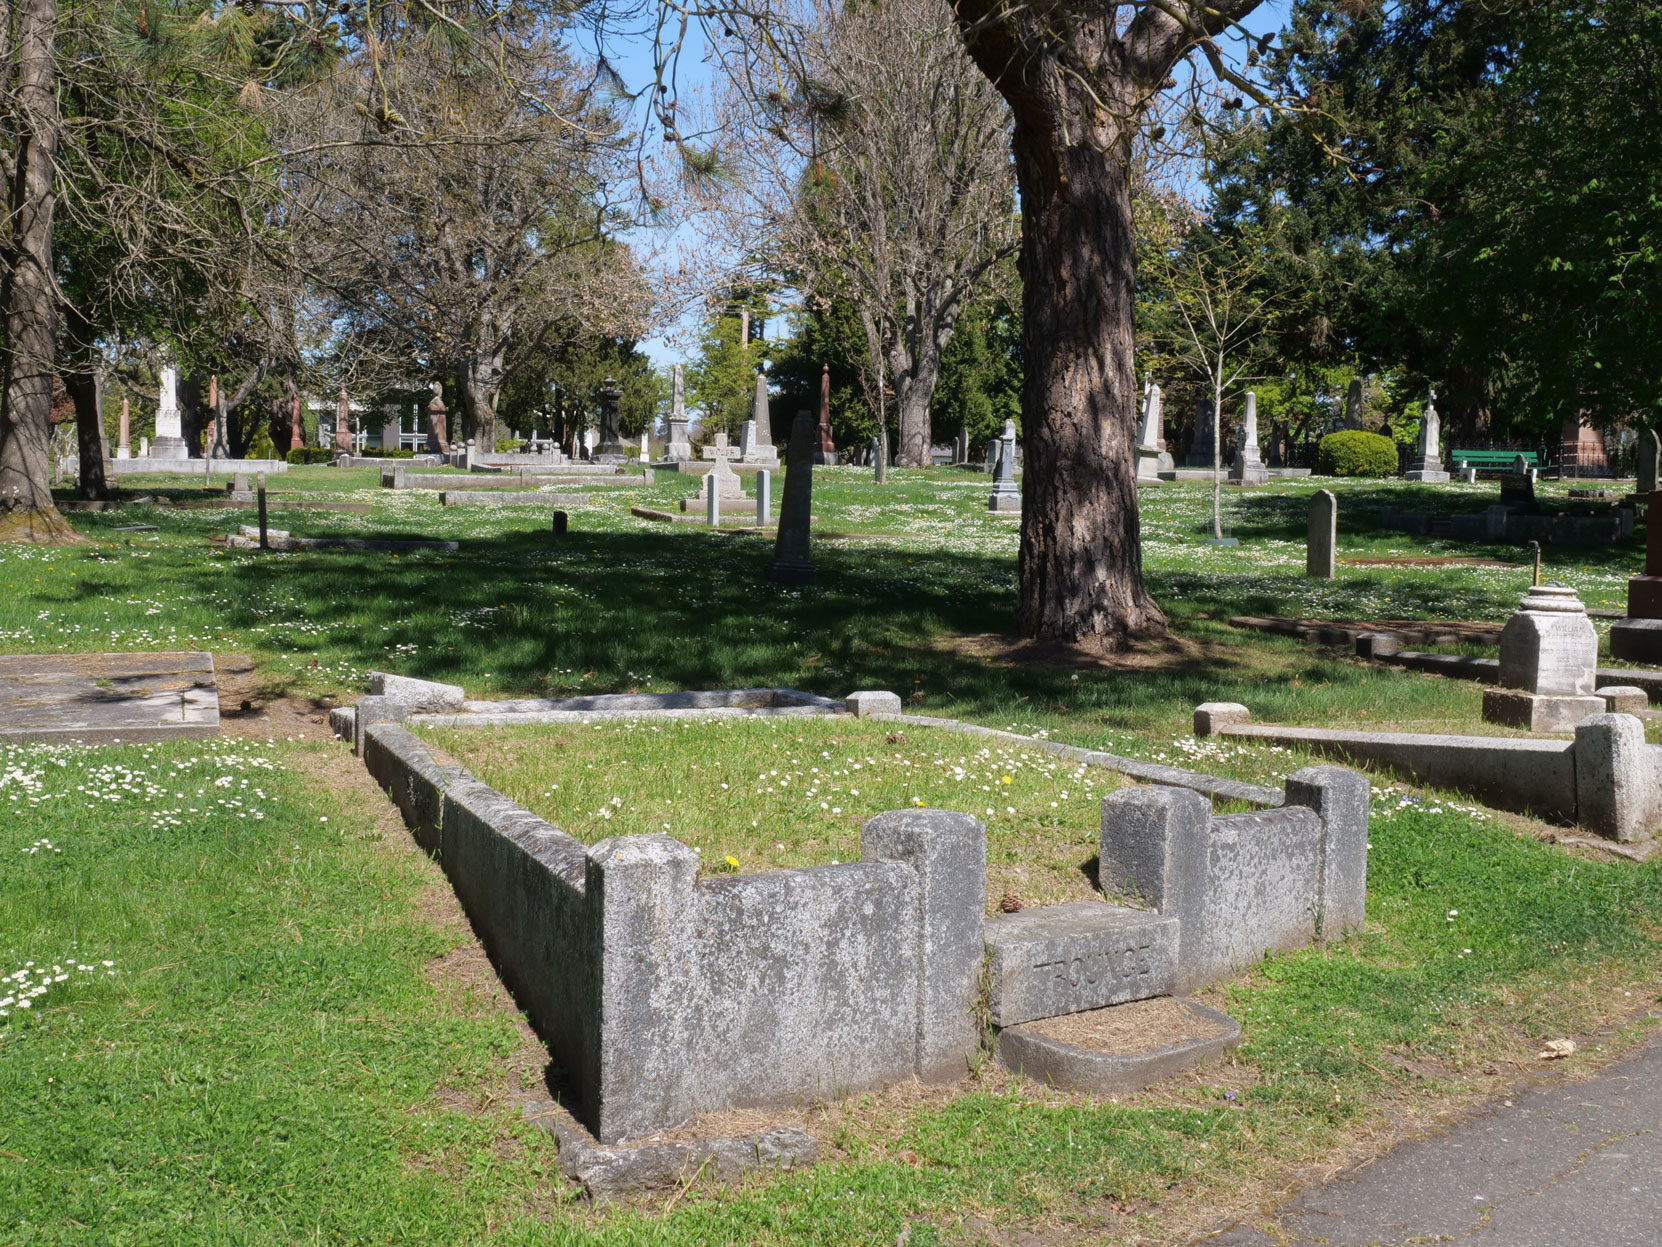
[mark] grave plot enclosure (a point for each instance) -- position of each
(666, 992)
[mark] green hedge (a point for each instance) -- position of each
(1352, 452)
(310, 454)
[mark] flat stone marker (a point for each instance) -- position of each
(1069, 958)
(1322, 542)
(99, 699)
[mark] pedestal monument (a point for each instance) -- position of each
(1428, 454)
(1148, 436)
(170, 442)
(1005, 496)
(1548, 665)
(679, 447)
(1248, 468)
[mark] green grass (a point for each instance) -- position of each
(759, 794)
(272, 1060)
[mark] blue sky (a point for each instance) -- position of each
(632, 57)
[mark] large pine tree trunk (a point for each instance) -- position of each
(1081, 565)
(26, 509)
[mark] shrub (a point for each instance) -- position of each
(387, 454)
(310, 454)
(1352, 452)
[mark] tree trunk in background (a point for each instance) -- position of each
(480, 384)
(84, 379)
(914, 385)
(1081, 563)
(26, 509)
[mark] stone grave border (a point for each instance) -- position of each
(653, 1039)
(1606, 780)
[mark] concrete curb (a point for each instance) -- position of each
(1026, 1052)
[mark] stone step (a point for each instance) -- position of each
(1059, 959)
(1055, 1062)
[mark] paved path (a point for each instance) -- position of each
(1556, 1166)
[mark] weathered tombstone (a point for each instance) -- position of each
(1148, 436)
(343, 424)
(1248, 468)
(747, 441)
(880, 461)
(560, 523)
(1427, 464)
(791, 563)
(1200, 442)
(764, 480)
(1005, 495)
(297, 425)
(646, 449)
(1353, 404)
(392, 426)
(124, 447)
(1322, 539)
(610, 448)
(712, 504)
(170, 441)
(438, 433)
(1638, 638)
(1517, 487)
(960, 448)
(763, 445)
(144, 448)
(240, 492)
(826, 452)
(1548, 665)
(721, 480)
(259, 489)
(679, 449)
(1650, 451)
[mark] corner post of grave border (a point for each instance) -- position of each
(948, 853)
(370, 711)
(641, 893)
(1615, 777)
(1339, 796)
(1155, 843)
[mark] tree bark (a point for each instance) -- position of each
(914, 392)
(84, 381)
(1078, 86)
(26, 509)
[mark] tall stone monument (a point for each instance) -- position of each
(1638, 638)
(170, 441)
(610, 447)
(438, 424)
(758, 413)
(1248, 467)
(297, 425)
(826, 451)
(1148, 436)
(791, 563)
(124, 447)
(1200, 442)
(1428, 454)
(343, 425)
(1650, 453)
(1548, 665)
(218, 446)
(1005, 496)
(1353, 404)
(679, 449)
(1321, 547)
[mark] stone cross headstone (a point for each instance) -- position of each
(1200, 444)
(792, 563)
(1548, 664)
(1650, 453)
(826, 451)
(1248, 468)
(1005, 495)
(721, 480)
(759, 413)
(1148, 436)
(1427, 464)
(124, 447)
(170, 441)
(1322, 540)
(679, 449)
(438, 432)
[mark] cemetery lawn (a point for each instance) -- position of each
(291, 1047)
(251, 1020)
(759, 794)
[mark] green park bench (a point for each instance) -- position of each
(1491, 460)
